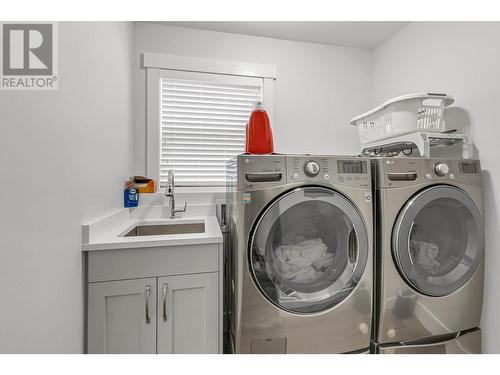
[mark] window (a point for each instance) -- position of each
(197, 110)
(203, 121)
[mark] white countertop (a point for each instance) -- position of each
(107, 233)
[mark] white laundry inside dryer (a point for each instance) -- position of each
(425, 252)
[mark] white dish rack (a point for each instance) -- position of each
(422, 112)
(423, 142)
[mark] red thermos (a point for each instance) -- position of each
(259, 136)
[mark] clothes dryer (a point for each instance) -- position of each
(429, 248)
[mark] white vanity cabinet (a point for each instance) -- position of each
(155, 300)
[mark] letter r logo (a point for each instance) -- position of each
(27, 49)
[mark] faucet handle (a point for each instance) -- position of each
(174, 210)
(183, 209)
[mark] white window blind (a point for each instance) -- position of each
(202, 126)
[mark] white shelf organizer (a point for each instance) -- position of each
(423, 142)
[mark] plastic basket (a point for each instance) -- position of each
(402, 115)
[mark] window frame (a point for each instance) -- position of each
(195, 67)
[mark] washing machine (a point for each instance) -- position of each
(301, 243)
(429, 263)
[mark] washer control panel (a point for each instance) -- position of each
(328, 169)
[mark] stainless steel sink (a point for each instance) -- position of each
(165, 229)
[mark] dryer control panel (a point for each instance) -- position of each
(460, 171)
(394, 172)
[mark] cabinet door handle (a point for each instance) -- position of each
(148, 292)
(165, 286)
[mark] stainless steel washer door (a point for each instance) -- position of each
(308, 250)
(438, 240)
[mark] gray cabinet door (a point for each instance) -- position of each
(122, 316)
(188, 313)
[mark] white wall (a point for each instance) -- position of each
(64, 157)
(462, 59)
(319, 88)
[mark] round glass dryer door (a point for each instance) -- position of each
(308, 250)
(438, 240)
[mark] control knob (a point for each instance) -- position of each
(441, 169)
(311, 168)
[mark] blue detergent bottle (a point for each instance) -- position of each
(130, 195)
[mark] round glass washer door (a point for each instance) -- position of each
(438, 240)
(308, 250)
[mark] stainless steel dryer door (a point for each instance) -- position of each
(308, 250)
(438, 240)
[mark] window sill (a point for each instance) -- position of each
(192, 195)
(200, 189)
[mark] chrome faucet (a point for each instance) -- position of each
(169, 192)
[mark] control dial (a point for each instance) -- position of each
(441, 169)
(311, 168)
